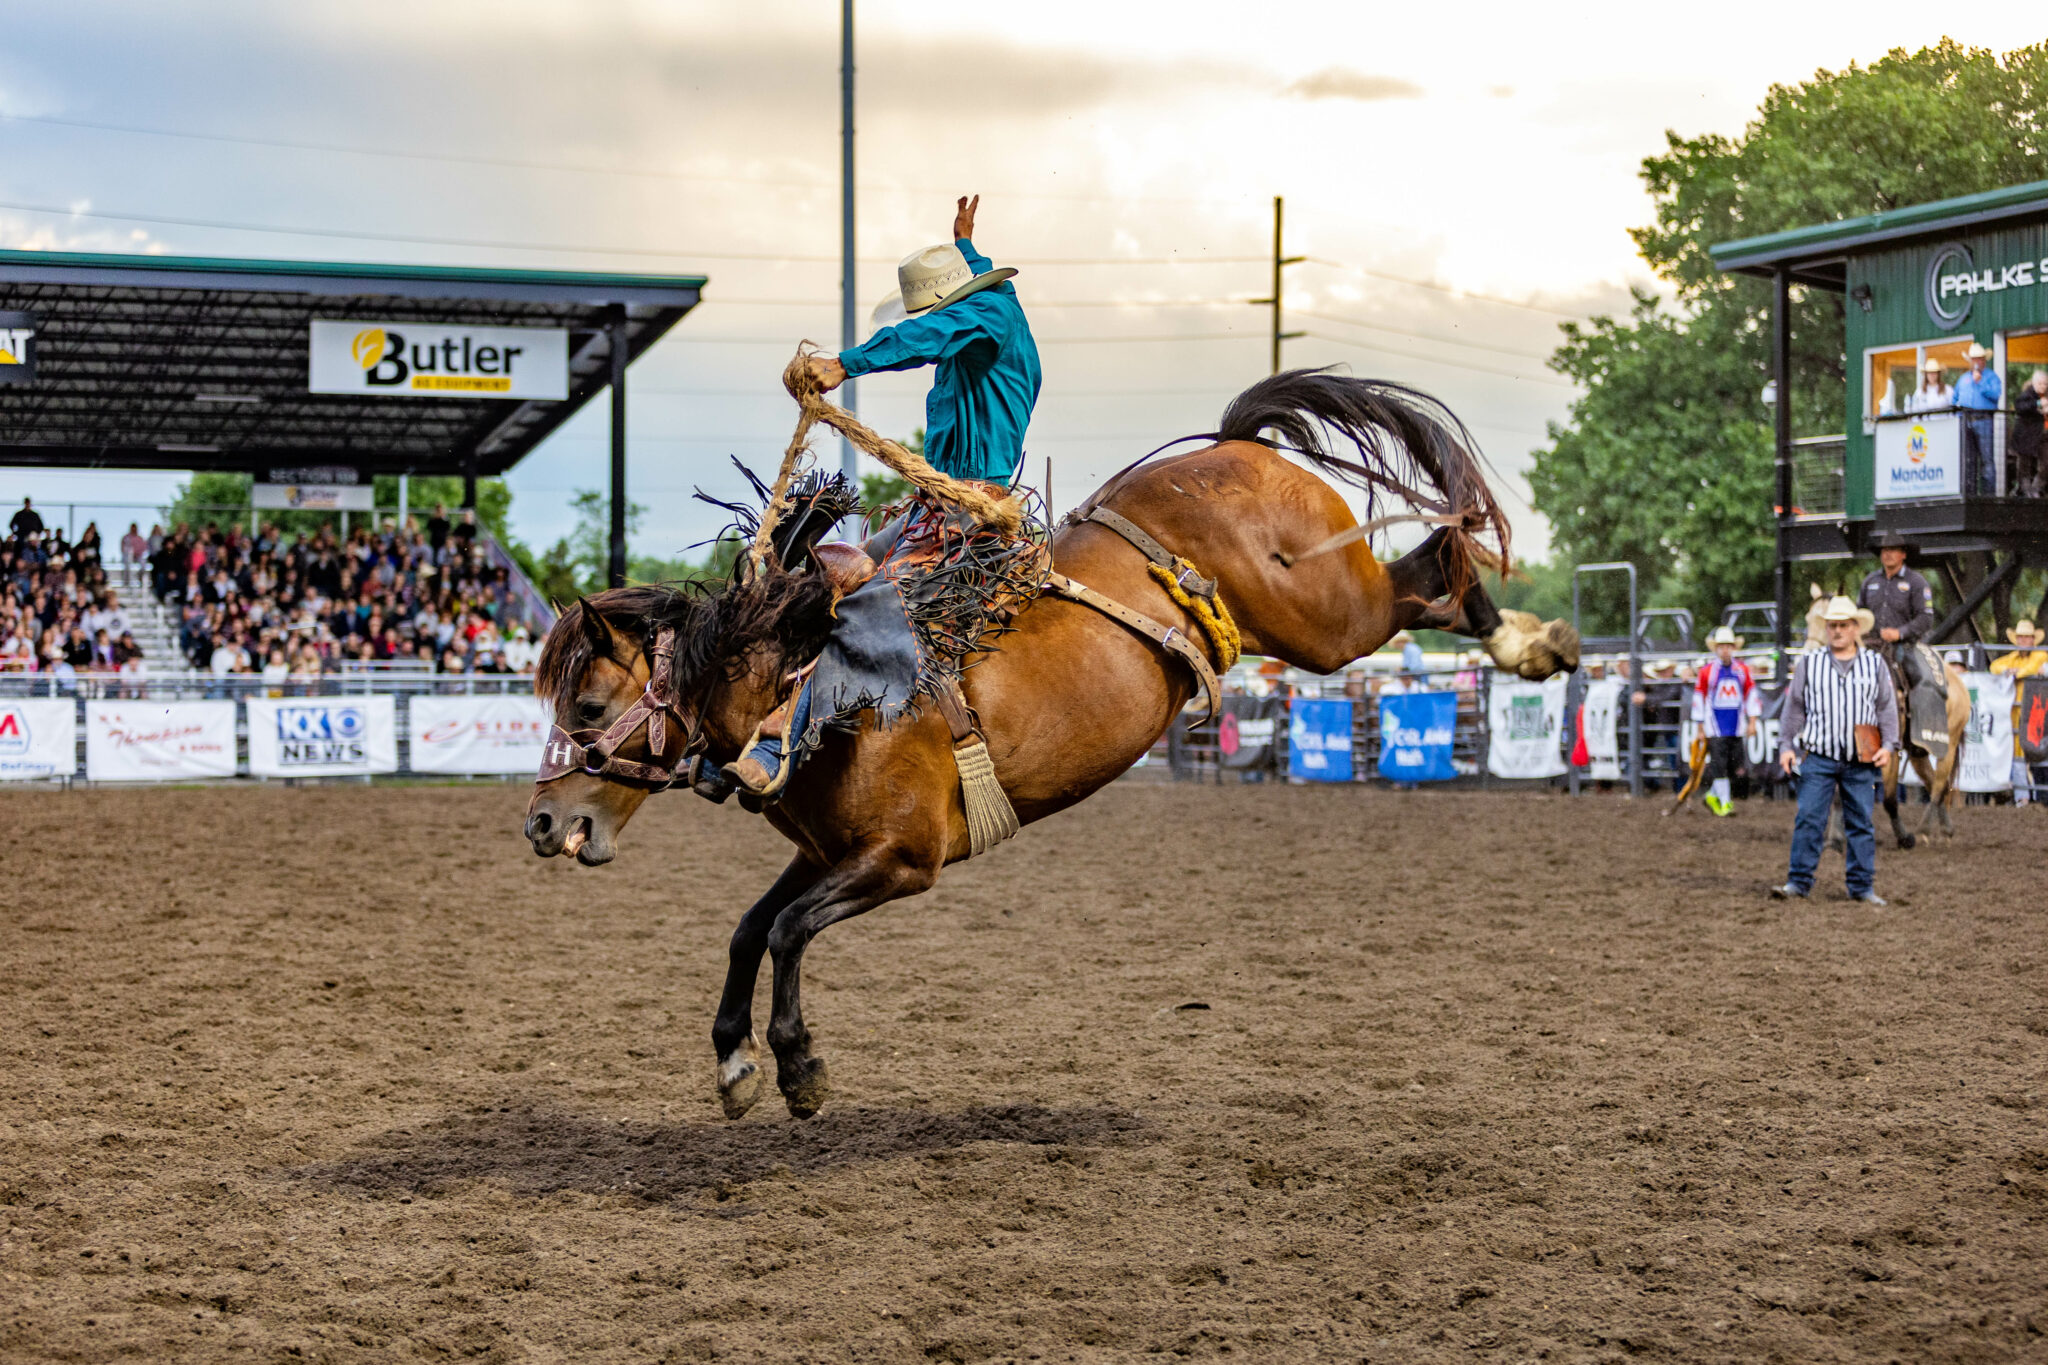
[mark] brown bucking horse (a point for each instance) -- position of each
(1068, 698)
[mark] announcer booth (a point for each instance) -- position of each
(1920, 286)
(315, 377)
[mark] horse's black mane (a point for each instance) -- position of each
(719, 623)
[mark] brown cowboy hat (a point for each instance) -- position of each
(1890, 540)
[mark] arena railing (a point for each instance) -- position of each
(401, 684)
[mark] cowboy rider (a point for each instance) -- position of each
(1901, 608)
(955, 311)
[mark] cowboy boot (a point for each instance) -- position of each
(763, 767)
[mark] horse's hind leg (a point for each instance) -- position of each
(732, 1033)
(1889, 786)
(865, 879)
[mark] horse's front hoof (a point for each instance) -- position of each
(739, 1080)
(1909, 841)
(804, 1087)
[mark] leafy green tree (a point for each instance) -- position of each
(1666, 460)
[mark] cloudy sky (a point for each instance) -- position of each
(1462, 181)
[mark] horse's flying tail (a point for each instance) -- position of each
(1409, 445)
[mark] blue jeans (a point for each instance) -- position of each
(1819, 779)
(1980, 476)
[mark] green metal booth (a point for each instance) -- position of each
(1921, 285)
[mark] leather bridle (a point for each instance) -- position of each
(597, 752)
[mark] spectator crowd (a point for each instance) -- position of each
(423, 598)
(57, 612)
(289, 608)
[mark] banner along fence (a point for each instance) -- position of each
(1504, 730)
(186, 728)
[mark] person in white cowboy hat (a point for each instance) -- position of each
(955, 310)
(1932, 395)
(1725, 705)
(2025, 661)
(1836, 701)
(1978, 394)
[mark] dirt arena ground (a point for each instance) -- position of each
(1277, 1073)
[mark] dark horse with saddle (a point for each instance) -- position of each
(1035, 675)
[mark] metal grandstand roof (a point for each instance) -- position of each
(167, 362)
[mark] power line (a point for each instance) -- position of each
(1432, 360)
(524, 164)
(1420, 336)
(1034, 303)
(497, 245)
(1439, 288)
(1043, 341)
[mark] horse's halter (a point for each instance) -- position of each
(576, 751)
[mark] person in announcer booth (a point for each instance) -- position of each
(1977, 394)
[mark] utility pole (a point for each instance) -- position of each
(849, 458)
(1279, 260)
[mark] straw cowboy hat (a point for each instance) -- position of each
(1976, 352)
(1931, 365)
(1724, 636)
(929, 280)
(2023, 627)
(1842, 609)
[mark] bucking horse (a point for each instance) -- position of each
(659, 684)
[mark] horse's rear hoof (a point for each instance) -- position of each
(1909, 841)
(805, 1094)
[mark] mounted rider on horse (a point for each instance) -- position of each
(956, 311)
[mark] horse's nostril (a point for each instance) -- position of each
(538, 824)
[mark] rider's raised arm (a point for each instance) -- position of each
(925, 340)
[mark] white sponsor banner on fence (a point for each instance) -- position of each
(38, 739)
(1603, 746)
(322, 736)
(1523, 719)
(479, 734)
(140, 741)
(1987, 745)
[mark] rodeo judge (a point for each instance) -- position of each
(1841, 723)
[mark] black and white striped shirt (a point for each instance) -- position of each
(1827, 698)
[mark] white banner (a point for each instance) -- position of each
(38, 739)
(1603, 745)
(420, 360)
(480, 734)
(322, 736)
(1987, 745)
(1523, 719)
(1920, 457)
(140, 741)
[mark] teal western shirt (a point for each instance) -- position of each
(987, 380)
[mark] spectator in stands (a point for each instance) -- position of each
(521, 654)
(464, 534)
(25, 523)
(437, 530)
(134, 547)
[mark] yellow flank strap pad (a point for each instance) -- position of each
(1210, 614)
